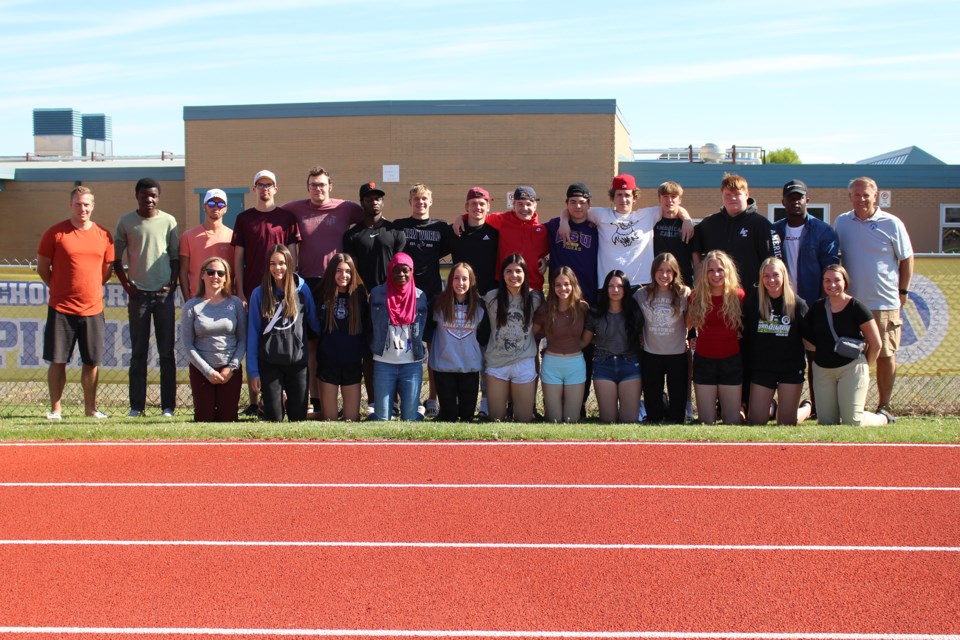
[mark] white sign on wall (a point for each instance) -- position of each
(391, 173)
(884, 198)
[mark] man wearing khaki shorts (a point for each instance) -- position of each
(876, 251)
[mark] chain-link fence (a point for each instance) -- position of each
(928, 374)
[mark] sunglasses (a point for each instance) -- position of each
(218, 205)
(216, 272)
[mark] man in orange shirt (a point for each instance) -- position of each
(212, 238)
(74, 260)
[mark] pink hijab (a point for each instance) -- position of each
(401, 301)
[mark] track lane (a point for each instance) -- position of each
(623, 516)
(883, 592)
(552, 463)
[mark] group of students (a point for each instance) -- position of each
(640, 343)
(740, 344)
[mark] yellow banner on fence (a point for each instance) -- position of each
(23, 314)
(928, 347)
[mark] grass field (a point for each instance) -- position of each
(913, 429)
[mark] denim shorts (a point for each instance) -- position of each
(570, 369)
(520, 372)
(616, 368)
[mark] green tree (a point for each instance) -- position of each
(783, 156)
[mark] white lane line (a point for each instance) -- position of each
(483, 443)
(471, 633)
(480, 545)
(439, 485)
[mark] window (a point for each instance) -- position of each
(950, 228)
(821, 211)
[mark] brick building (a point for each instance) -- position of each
(450, 146)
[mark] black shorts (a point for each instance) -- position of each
(717, 371)
(341, 375)
(63, 331)
(771, 379)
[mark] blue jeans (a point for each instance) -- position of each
(390, 379)
(141, 308)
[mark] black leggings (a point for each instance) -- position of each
(457, 394)
(653, 368)
(274, 380)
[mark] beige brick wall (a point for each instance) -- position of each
(449, 154)
(30, 208)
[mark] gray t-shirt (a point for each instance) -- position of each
(664, 329)
(512, 342)
(214, 334)
(609, 335)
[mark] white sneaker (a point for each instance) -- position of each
(54, 415)
(168, 413)
(98, 415)
(431, 408)
(690, 415)
(370, 410)
(422, 410)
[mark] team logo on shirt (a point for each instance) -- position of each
(744, 232)
(625, 235)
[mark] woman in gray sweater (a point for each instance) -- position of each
(213, 327)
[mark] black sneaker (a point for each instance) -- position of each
(251, 411)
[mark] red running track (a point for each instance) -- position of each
(311, 579)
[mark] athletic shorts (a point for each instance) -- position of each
(341, 375)
(772, 379)
(717, 371)
(889, 323)
(616, 368)
(63, 331)
(520, 372)
(563, 369)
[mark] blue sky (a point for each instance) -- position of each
(837, 80)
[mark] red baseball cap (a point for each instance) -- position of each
(624, 181)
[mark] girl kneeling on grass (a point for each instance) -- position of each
(715, 312)
(664, 306)
(344, 316)
(511, 352)
(772, 321)
(563, 373)
(276, 344)
(841, 379)
(614, 326)
(398, 312)
(456, 356)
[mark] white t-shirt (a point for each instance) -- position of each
(626, 242)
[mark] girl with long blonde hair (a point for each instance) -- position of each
(715, 312)
(773, 345)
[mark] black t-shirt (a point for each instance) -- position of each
(846, 323)
(667, 239)
(774, 344)
(372, 249)
(477, 246)
(427, 242)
